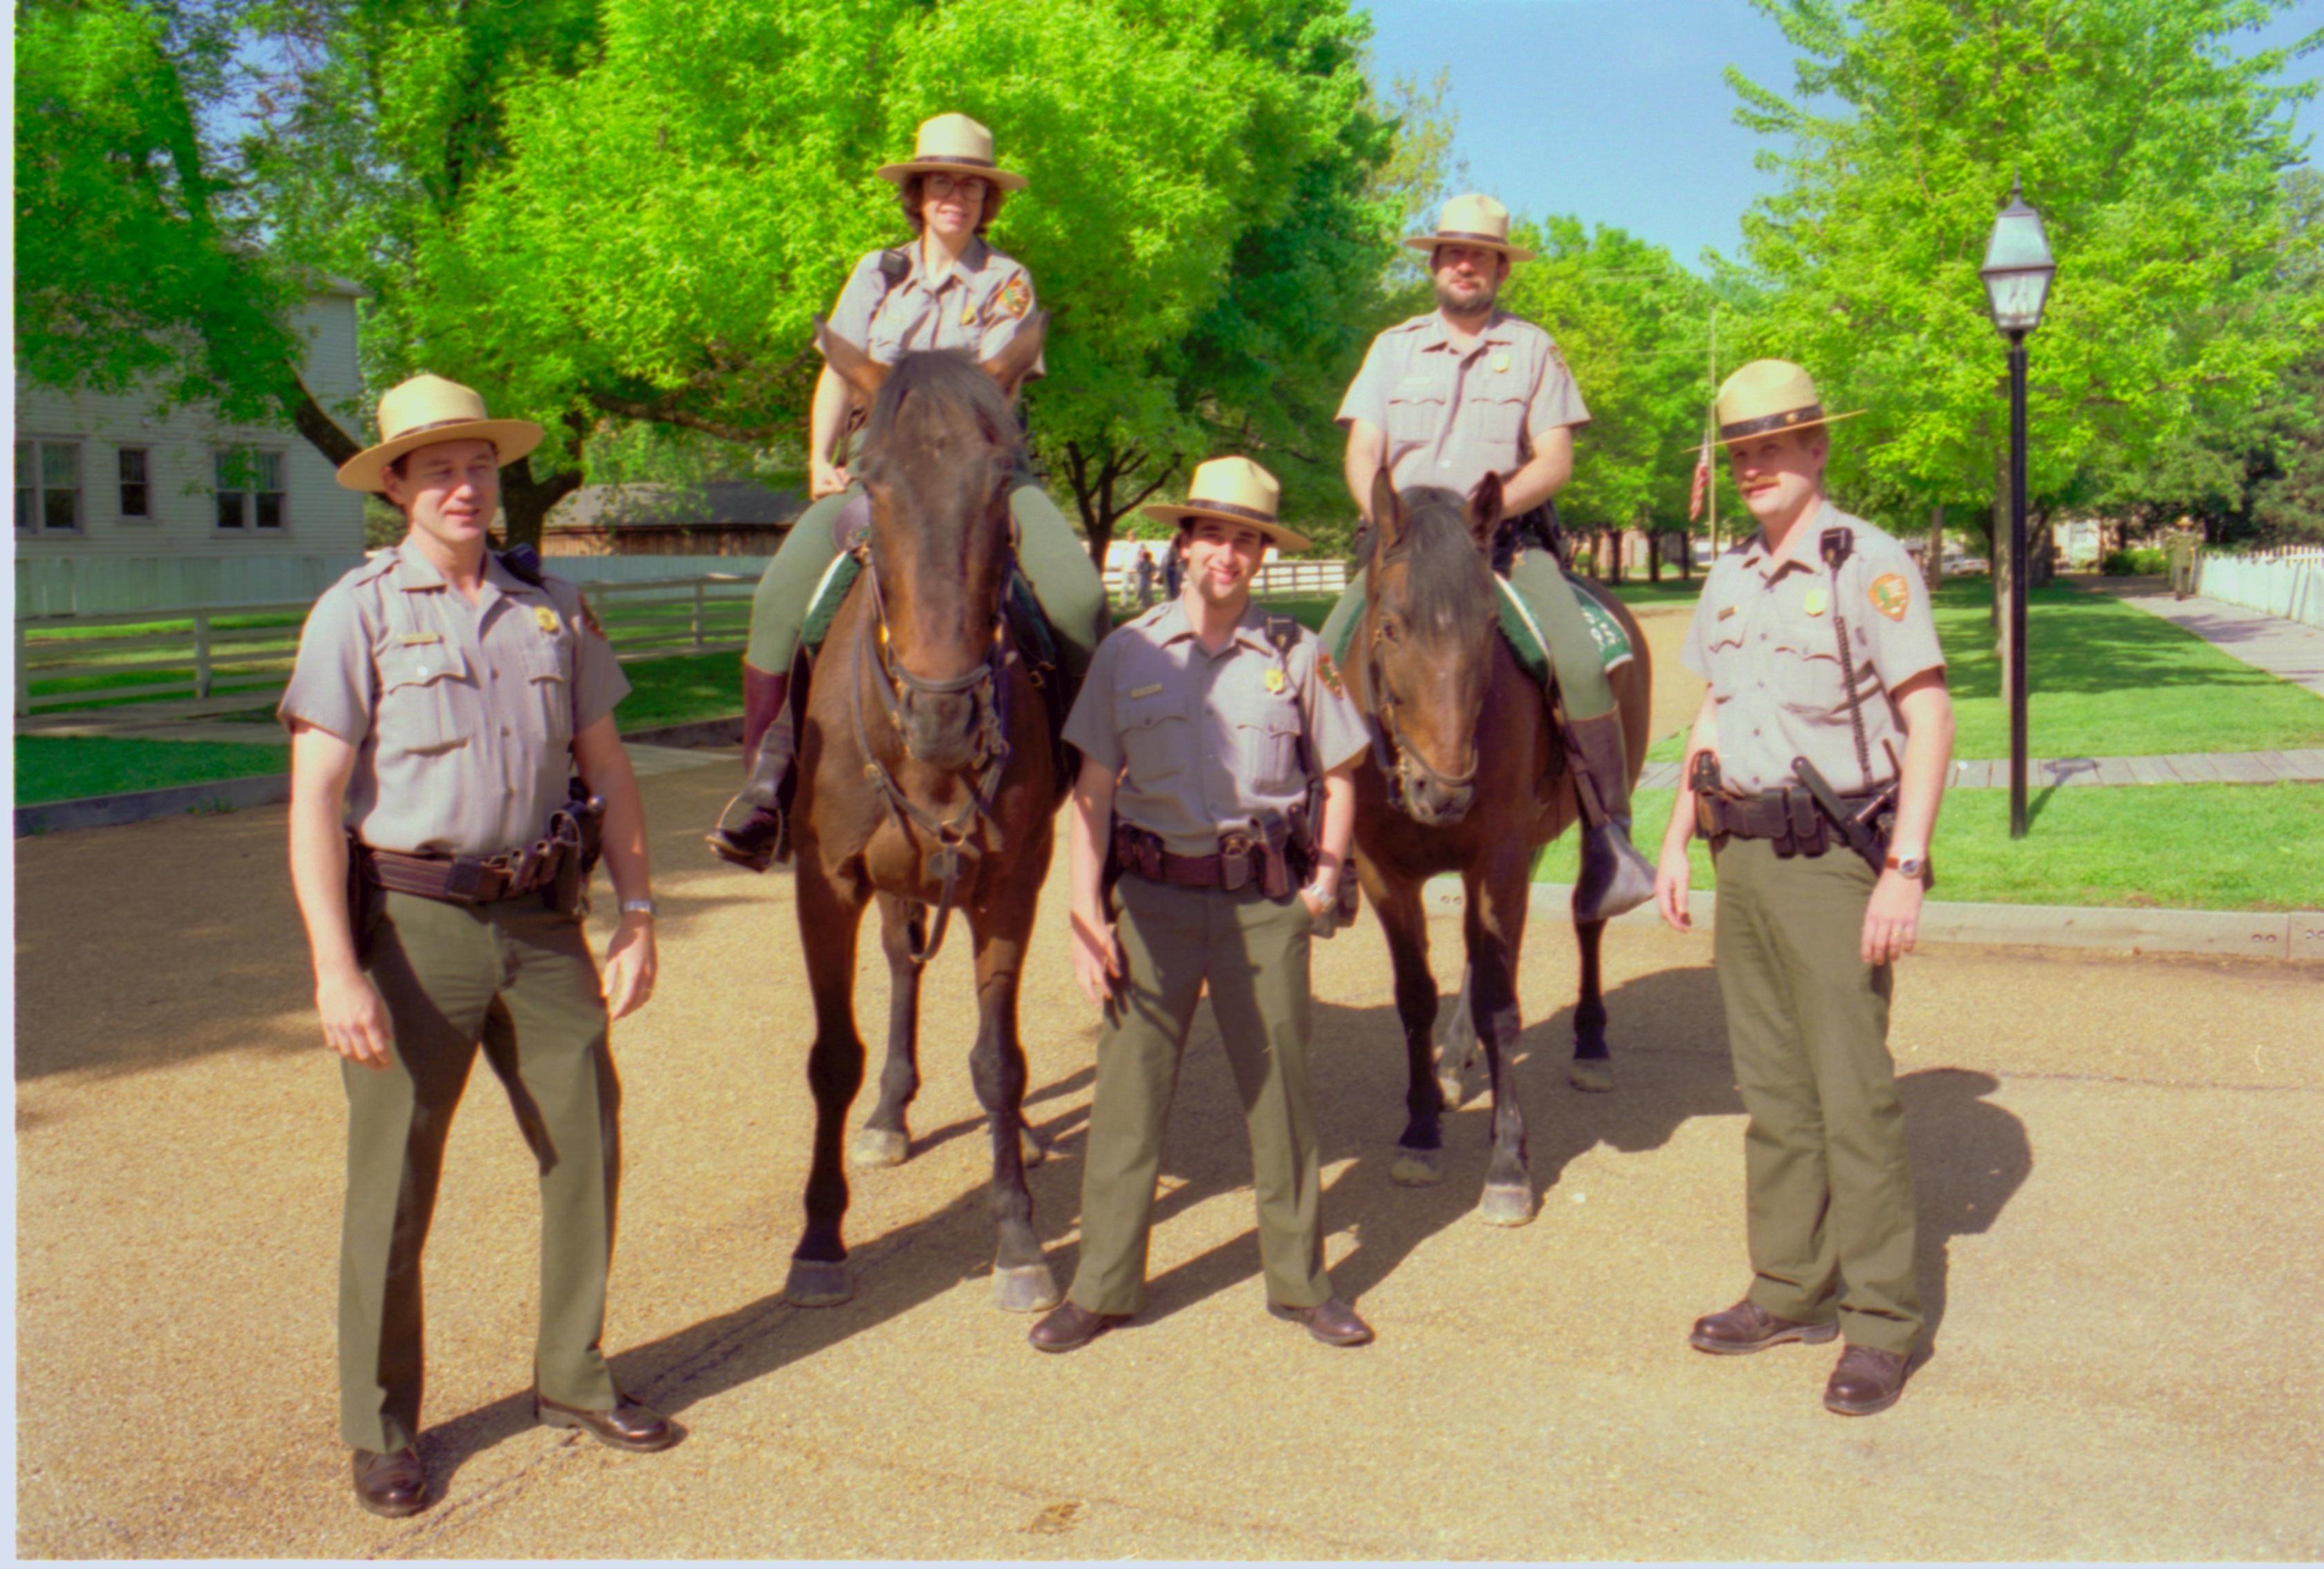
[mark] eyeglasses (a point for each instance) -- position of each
(967, 185)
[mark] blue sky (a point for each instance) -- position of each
(1616, 110)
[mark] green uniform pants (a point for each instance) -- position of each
(518, 978)
(1054, 559)
(1573, 655)
(1830, 1186)
(1254, 954)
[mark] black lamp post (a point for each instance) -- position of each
(2016, 272)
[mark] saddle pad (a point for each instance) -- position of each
(1523, 638)
(823, 606)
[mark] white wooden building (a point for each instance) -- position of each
(120, 508)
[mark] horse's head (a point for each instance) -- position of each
(940, 457)
(1429, 629)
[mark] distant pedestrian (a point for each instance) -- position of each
(1174, 571)
(1143, 574)
(2180, 548)
(1822, 656)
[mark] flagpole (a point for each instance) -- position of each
(1711, 429)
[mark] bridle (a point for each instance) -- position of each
(1397, 758)
(989, 696)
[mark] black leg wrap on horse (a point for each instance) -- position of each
(762, 836)
(1615, 877)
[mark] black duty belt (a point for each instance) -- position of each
(1789, 817)
(1267, 855)
(464, 879)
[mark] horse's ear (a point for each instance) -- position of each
(1388, 510)
(1486, 505)
(1020, 354)
(853, 365)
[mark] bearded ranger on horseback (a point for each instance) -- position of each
(946, 290)
(1444, 399)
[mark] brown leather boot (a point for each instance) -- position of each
(762, 835)
(1747, 1327)
(1614, 876)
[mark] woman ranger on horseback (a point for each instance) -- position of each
(949, 290)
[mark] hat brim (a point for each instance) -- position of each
(1787, 429)
(1177, 512)
(1430, 243)
(1002, 178)
(511, 439)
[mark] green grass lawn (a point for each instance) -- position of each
(2167, 846)
(50, 767)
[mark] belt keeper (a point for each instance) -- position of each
(464, 877)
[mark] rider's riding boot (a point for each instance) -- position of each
(762, 836)
(1614, 876)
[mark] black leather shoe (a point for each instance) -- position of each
(1747, 1327)
(1331, 1320)
(1069, 1326)
(1867, 1379)
(394, 1485)
(762, 836)
(1614, 877)
(628, 1426)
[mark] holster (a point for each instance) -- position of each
(580, 828)
(1236, 853)
(1274, 842)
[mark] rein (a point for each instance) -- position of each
(990, 695)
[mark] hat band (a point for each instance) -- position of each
(1766, 423)
(919, 157)
(432, 424)
(1454, 236)
(1232, 510)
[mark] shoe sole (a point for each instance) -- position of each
(548, 1418)
(393, 1512)
(1289, 1317)
(1056, 1348)
(1807, 1334)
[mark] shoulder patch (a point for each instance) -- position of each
(1016, 297)
(1328, 673)
(1891, 595)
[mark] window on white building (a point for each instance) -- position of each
(249, 484)
(137, 494)
(48, 487)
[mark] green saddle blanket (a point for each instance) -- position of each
(822, 607)
(1520, 633)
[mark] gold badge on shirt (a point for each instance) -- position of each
(1502, 361)
(968, 314)
(546, 618)
(1815, 601)
(1276, 679)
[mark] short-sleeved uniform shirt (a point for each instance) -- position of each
(1452, 415)
(1205, 741)
(978, 306)
(1765, 637)
(462, 715)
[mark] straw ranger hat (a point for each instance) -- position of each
(427, 409)
(952, 144)
(1473, 220)
(1770, 395)
(1233, 490)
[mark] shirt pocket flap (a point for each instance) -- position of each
(420, 664)
(1154, 744)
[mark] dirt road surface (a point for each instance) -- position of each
(2120, 1163)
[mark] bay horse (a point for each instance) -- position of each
(928, 777)
(1467, 774)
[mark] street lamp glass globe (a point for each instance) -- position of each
(2017, 267)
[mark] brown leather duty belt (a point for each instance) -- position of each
(1790, 818)
(1242, 859)
(461, 879)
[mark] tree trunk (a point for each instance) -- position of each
(1612, 572)
(1653, 547)
(525, 501)
(321, 431)
(1933, 567)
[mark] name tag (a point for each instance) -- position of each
(1723, 614)
(412, 639)
(1146, 691)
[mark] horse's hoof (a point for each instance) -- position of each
(1417, 1167)
(815, 1283)
(1449, 1086)
(1024, 1288)
(1505, 1206)
(878, 1147)
(1031, 1150)
(1595, 1075)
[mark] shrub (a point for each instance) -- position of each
(2139, 563)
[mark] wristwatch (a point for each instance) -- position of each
(1910, 866)
(644, 907)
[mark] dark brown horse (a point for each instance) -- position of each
(1468, 775)
(927, 777)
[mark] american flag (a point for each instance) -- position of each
(1701, 482)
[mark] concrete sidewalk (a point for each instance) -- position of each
(2286, 648)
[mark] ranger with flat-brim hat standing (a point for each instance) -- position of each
(442, 701)
(946, 289)
(1205, 729)
(1816, 639)
(1469, 390)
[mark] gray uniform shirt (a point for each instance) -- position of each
(1205, 741)
(1453, 415)
(977, 306)
(462, 715)
(1763, 636)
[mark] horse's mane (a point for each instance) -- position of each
(948, 376)
(1446, 583)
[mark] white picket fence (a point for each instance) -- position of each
(2286, 582)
